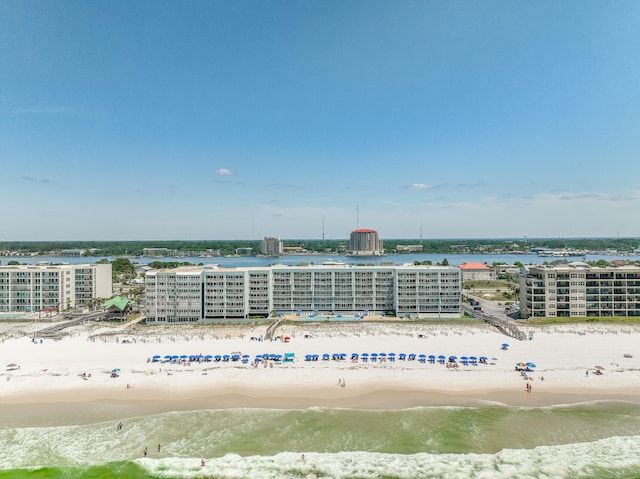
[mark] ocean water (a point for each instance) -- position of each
(595, 440)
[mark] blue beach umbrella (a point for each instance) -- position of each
(531, 365)
(505, 345)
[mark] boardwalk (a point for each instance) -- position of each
(55, 331)
(504, 325)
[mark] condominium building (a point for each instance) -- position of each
(365, 242)
(271, 246)
(196, 294)
(25, 288)
(577, 289)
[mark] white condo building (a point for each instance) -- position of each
(577, 289)
(197, 294)
(25, 288)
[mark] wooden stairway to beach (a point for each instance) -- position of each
(55, 330)
(505, 326)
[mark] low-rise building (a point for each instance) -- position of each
(477, 272)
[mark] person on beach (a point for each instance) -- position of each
(119, 426)
(145, 452)
(158, 448)
(202, 463)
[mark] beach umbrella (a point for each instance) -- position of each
(505, 345)
(392, 354)
(453, 358)
(374, 354)
(157, 356)
(441, 356)
(483, 358)
(365, 354)
(521, 365)
(531, 365)
(384, 355)
(432, 356)
(183, 356)
(599, 367)
(473, 358)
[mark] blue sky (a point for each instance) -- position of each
(238, 120)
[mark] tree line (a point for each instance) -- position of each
(228, 247)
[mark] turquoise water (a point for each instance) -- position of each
(599, 440)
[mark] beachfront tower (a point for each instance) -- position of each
(271, 246)
(365, 242)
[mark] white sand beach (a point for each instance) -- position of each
(71, 379)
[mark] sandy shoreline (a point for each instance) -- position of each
(48, 388)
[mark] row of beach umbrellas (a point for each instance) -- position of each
(221, 357)
(432, 358)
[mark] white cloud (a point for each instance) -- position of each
(419, 186)
(224, 172)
